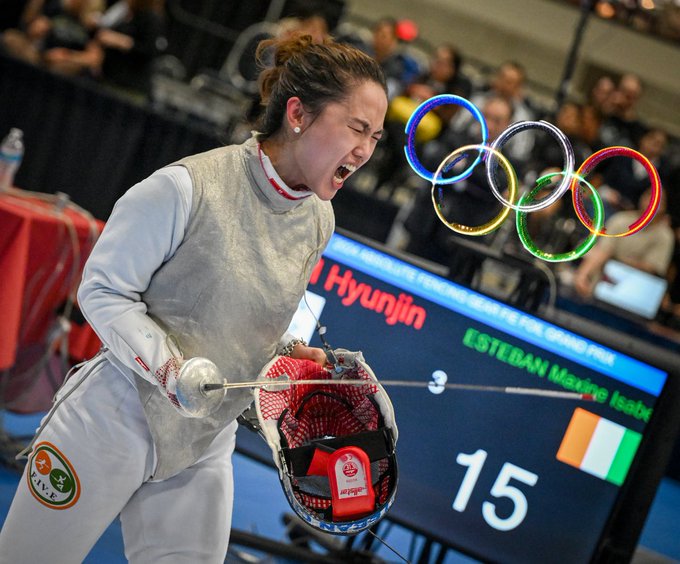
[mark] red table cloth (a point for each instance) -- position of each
(44, 242)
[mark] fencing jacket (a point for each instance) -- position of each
(224, 285)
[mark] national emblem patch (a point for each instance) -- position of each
(51, 477)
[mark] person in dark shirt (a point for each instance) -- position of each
(623, 126)
(129, 46)
(548, 153)
(443, 77)
(54, 33)
(467, 202)
(626, 179)
(398, 67)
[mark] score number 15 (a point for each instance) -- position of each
(501, 488)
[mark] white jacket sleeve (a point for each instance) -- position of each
(144, 230)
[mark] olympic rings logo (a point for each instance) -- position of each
(571, 180)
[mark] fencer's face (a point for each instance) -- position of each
(341, 139)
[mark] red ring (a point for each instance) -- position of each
(590, 163)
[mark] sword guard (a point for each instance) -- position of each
(196, 377)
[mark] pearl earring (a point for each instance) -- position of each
(297, 129)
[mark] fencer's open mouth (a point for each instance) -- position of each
(343, 172)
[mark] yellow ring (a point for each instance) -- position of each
(496, 222)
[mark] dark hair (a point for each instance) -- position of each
(317, 73)
(456, 56)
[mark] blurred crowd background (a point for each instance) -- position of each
(192, 63)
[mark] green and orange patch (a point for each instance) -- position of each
(52, 480)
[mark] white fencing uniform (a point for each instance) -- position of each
(215, 254)
(114, 479)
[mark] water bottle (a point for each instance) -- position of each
(11, 154)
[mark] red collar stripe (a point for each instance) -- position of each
(274, 183)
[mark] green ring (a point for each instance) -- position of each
(580, 250)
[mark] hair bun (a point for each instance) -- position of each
(279, 51)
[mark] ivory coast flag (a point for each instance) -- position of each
(598, 446)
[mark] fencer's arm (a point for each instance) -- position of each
(286, 339)
(144, 230)
(295, 347)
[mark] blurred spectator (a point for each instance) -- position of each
(547, 152)
(508, 82)
(117, 46)
(625, 179)
(242, 68)
(627, 95)
(306, 21)
(591, 123)
(650, 249)
(600, 95)
(660, 18)
(51, 29)
(668, 23)
(553, 228)
(468, 202)
(669, 313)
(623, 126)
(399, 68)
(129, 43)
(443, 77)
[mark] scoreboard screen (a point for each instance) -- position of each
(502, 477)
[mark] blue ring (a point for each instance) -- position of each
(418, 115)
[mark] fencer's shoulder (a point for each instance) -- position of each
(222, 165)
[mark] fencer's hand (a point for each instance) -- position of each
(167, 375)
(304, 352)
(192, 401)
(180, 380)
